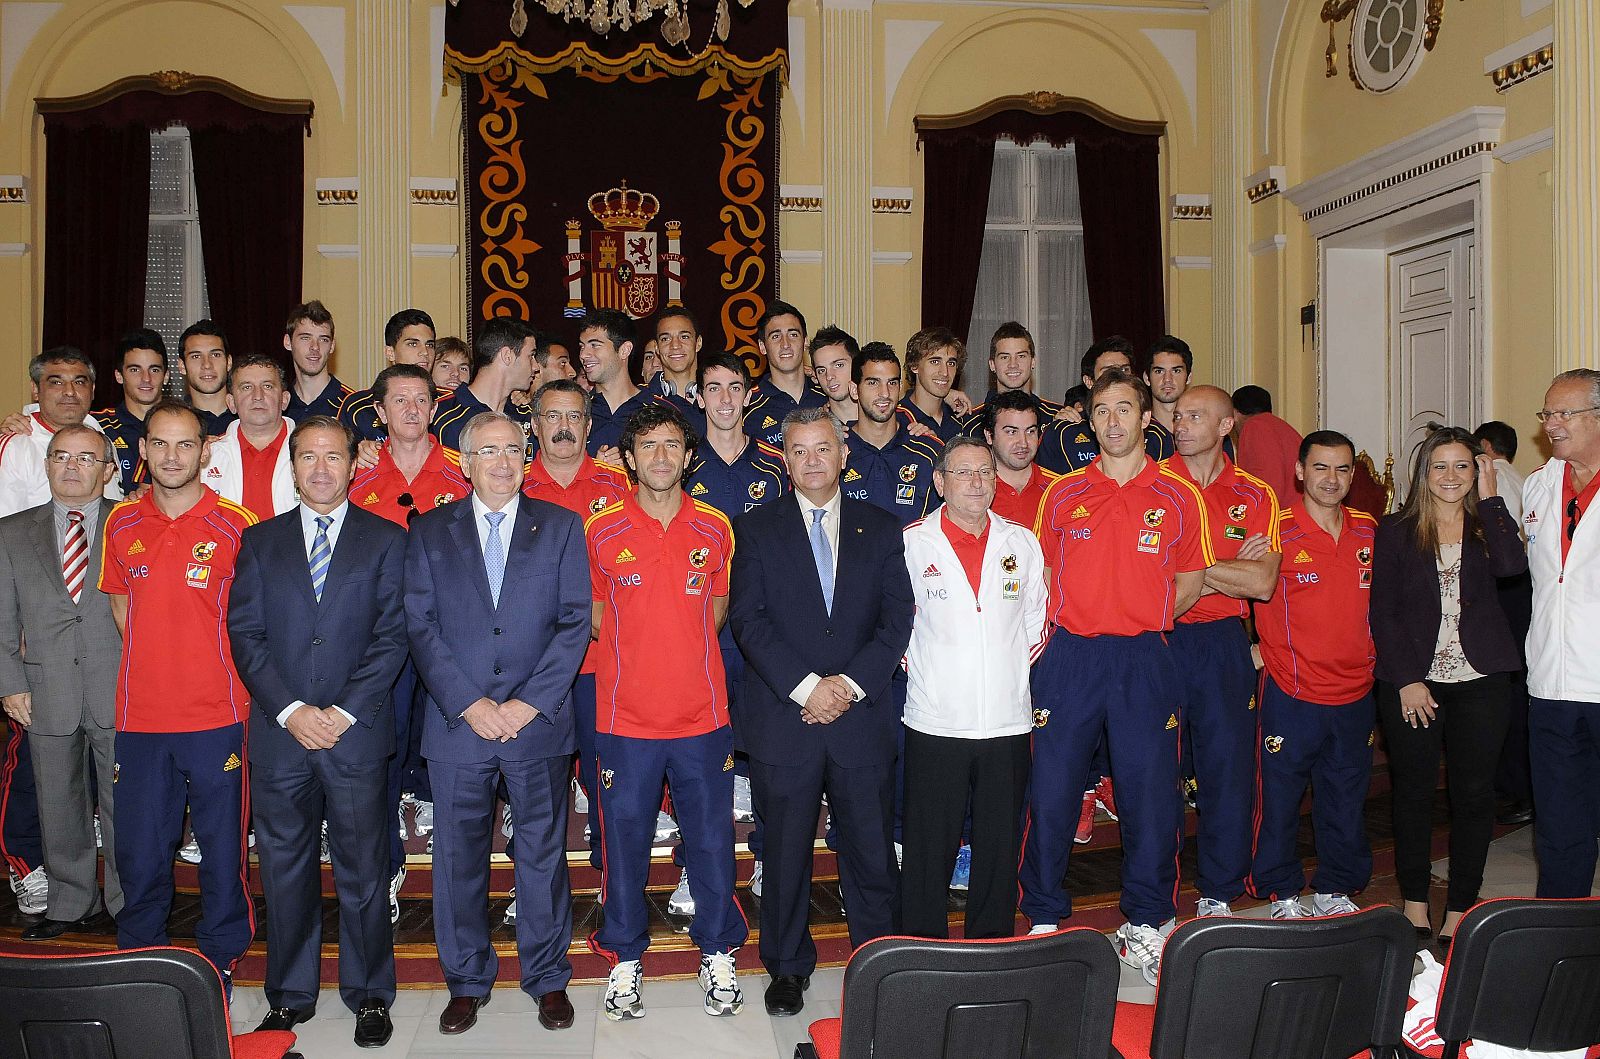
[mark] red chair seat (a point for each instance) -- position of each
(825, 1037)
(263, 1044)
(1130, 1034)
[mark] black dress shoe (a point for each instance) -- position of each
(461, 1014)
(555, 1010)
(46, 929)
(786, 995)
(1514, 813)
(285, 1018)
(373, 1028)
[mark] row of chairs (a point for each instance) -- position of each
(1522, 973)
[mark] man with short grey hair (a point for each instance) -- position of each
(61, 688)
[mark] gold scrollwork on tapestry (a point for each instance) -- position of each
(744, 222)
(506, 246)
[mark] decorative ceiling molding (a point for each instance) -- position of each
(891, 200)
(338, 191)
(1265, 183)
(13, 189)
(1191, 207)
(1336, 11)
(800, 198)
(1520, 60)
(433, 191)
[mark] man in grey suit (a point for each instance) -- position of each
(61, 687)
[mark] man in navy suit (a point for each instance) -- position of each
(319, 634)
(821, 607)
(497, 600)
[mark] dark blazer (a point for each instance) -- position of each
(529, 648)
(345, 650)
(1405, 610)
(785, 631)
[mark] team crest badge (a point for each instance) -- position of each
(441, 499)
(698, 557)
(204, 551)
(597, 505)
(198, 575)
(908, 473)
(1040, 717)
(758, 490)
(1273, 743)
(1364, 556)
(1237, 512)
(1009, 564)
(1155, 517)
(606, 776)
(624, 259)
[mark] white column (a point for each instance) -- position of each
(1232, 287)
(1577, 185)
(848, 119)
(383, 154)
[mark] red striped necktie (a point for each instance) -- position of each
(75, 555)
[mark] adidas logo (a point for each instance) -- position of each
(625, 556)
(768, 422)
(699, 489)
(1081, 439)
(370, 499)
(136, 548)
(1172, 721)
(1080, 512)
(231, 764)
(931, 571)
(727, 766)
(852, 475)
(1303, 557)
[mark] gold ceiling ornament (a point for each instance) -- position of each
(1336, 11)
(602, 16)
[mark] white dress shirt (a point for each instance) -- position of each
(830, 529)
(480, 509)
(308, 530)
(1508, 484)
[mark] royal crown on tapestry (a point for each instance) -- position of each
(623, 261)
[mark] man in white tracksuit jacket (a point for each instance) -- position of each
(1563, 532)
(981, 602)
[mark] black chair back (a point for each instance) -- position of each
(1323, 988)
(1053, 996)
(1524, 974)
(162, 1003)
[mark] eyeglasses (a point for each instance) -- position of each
(490, 452)
(967, 474)
(1561, 415)
(1572, 517)
(82, 459)
(406, 501)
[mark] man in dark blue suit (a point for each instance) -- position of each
(817, 714)
(319, 634)
(497, 600)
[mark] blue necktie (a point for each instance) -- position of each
(823, 554)
(494, 554)
(321, 555)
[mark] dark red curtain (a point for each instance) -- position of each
(955, 205)
(96, 227)
(250, 191)
(1119, 189)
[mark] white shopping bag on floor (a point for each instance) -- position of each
(1423, 1004)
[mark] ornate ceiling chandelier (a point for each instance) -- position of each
(602, 16)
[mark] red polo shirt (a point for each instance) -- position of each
(256, 466)
(594, 488)
(177, 670)
(660, 672)
(1238, 506)
(1315, 641)
(1022, 506)
(379, 488)
(1569, 494)
(968, 548)
(1114, 551)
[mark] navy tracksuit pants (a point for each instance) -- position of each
(1127, 687)
(1328, 748)
(20, 841)
(157, 775)
(1564, 738)
(698, 770)
(1219, 727)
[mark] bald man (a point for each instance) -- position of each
(1211, 645)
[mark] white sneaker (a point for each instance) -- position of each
(422, 819)
(1140, 946)
(33, 892)
(624, 992)
(1209, 908)
(394, 895)
(744, 810)
(1332, 905)
(191, 852)
(666, 828)
(511, 909)
(1289, 908)
(755, 880)
(324, 854)
(720, 983)
(580, 800)
(681, 903)
(1042, 928)
(505, 821)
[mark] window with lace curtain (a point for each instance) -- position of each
(1032, 267)
(175, 278)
